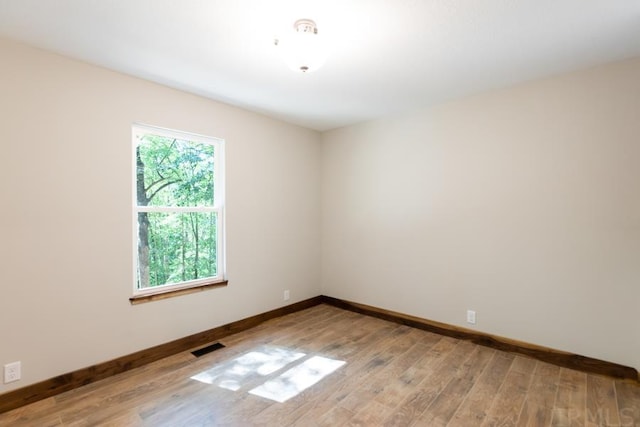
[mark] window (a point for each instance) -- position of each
(179, 210)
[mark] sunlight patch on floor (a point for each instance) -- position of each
(262, 361)
(297, 379)
(245, 370)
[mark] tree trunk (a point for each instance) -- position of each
(212, 242)
(143, 225)
(184, 248)
(196, 241)
(197, 237)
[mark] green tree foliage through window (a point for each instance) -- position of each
(177, 239)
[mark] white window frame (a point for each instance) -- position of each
(218, 207)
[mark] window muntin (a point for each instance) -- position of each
(178, 200)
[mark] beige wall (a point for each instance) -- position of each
(522, 204)
(66, 227)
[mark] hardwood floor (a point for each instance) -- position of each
(392, 375)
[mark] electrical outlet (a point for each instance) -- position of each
(471, 317)
(12, 372)
(286, 295)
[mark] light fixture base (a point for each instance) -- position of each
(305, 26)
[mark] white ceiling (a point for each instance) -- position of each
(389, 56)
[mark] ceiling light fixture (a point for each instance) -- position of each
(303, 49)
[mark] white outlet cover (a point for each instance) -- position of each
(12, 372)
(471, 317)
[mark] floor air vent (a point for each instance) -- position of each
(208, 349)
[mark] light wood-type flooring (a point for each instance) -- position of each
(391, 375)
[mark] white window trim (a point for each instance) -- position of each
(218, 207)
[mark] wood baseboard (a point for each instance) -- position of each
(549, 355)
(61, 383)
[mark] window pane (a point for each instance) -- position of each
(173, 172)
(181, 247)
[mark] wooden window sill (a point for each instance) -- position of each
(170, 293)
